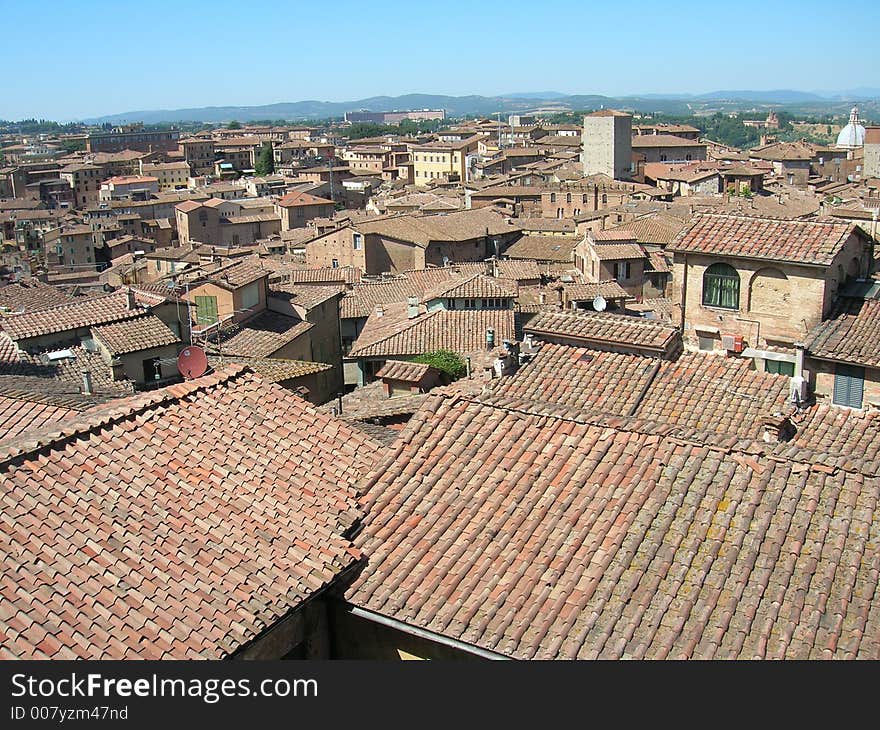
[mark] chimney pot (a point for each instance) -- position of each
(130, 300)
(87, 382)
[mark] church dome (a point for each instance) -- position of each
(853, 134)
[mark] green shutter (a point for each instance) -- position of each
(849, 386)
(206, 310)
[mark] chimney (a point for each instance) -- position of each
(799, 359)
(412, 307)
(490, 338)
(777, 428)
(380, 310)
(130, 301)
(87, 383)
(542, 298)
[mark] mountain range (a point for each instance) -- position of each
(508, 103)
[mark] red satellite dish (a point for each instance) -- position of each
(192, 362)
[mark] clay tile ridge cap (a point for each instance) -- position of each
(115, 411)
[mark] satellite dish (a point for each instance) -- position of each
(599, 303)
(192, 362)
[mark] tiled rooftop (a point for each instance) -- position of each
(475, 286)
(542, 536)
(260, 336)
(175, 524)
(606, 328)
(31, 294)
(460, 331)
(543, 248)
(852, 335)
(809, 242)
(411, 372)
(18, 415)
(76, 314)
(134, 334)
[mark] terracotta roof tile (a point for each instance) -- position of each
(260, 336)
(851, 335)
(179, 524)
(132, 335)
(543, 248)
(76, 314)
(460, 331)
(560, 536)
(31, 294)
(603, 327)
(411, 372)
(475, 286)
(18, 415)
(810, 242)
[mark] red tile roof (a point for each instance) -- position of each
(474, 286)
(135, 334)
(459, 331)
(31, 294)
(604, 328)
(259, 337)
(18, 415)
(799, 241)
(410, 372)
(300, 199)
(76, 314)
(851, 336)
(179, 523)
(552, 536)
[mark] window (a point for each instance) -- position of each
(584, 198)
(779, 367)
(358, 241)
(849, 385)
(450, 304)
(552, 197)
(334, 263)
(568, 198)
(721, 287)
(622, 270)
(470, 303)
(604, 198)
(206, 310)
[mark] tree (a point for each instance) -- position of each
(266, 162)
(445, 361)
(233, 125)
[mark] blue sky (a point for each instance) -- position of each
(63, 60)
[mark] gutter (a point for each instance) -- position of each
(423, 633)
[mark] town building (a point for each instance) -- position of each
(747, 284)
(607, 144)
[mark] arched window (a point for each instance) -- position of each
(584, 198)
(568, 198)
(552, 197)
(604, 198)
(721, 287)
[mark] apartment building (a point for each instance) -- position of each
(443, 160)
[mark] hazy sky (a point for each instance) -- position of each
(64, 60)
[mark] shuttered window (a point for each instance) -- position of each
(849, 385)
(206, 310)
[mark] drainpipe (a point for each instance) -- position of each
(424, 633)
(683, 298)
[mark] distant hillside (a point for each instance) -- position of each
(459, 106)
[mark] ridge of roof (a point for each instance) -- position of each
(115, 411)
